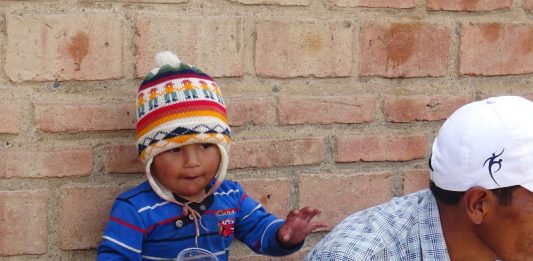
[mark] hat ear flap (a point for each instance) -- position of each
(222, 169)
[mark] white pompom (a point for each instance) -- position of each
(167, 57)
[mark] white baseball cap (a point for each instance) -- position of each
(486, 143)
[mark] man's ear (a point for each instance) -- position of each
(477, 202)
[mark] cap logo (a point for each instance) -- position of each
(493, 163)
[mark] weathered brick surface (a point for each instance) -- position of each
(528, 96)
(276, 153)
(10, 118)
(64, 47)
(276, 2)
(376, 3)
(73, 116)
(273, 194)
(338, 196)
(310, 85)
(213, 44)
(46, 162)
(298, 256)
(528, 4)
(145, 1)
(496, 49)
(123, 158)
(380, 148)
(248, 110)
(23, 222)
(462, 5)
(404, 49)
(326, 109)
(421, 108)
(81, 225)
(292, 48)
(415, 180)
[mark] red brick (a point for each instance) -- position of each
(380, 148)
(64, 47)
(338, 196)
(213, 44)
(10, 118)
(404, 50)
(146, 1)
(276, 153)
(496, 49)
(123, 158)
(290, 49)
(274, 2)
(528, 4)
(46, 162)
(81, 225)
(249, 110)
(468, 5)
(24, 222)
(528, 96)
(482, 95)
(273, 194)
(64, 117)
(376, 3)
(326, 109)
(415, 180)
(421, 108)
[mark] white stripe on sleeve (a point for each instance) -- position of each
(122, 244)
(264, 232)
(253, 210)
(231, 191)
(153, 206)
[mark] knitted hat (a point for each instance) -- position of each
(177, 105)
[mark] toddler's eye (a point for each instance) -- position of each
(178, 149)
(206, 145)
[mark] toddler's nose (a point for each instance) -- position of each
(191, 157)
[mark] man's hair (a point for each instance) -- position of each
(504, 195)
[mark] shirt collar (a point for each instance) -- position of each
(431, 235)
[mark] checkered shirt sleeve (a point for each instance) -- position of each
(406, 228)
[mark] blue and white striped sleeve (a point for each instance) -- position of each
(258, 229)
(123, 235)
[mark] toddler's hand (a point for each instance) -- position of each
(298, 225)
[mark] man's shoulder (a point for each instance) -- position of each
(397, 210)
(379, 230)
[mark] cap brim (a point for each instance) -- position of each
(528, 186)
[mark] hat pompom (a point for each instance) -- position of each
(167, 57)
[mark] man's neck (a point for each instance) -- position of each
(461, 240)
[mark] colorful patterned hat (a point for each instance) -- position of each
(178, 104)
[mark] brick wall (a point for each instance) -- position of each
(333, 103)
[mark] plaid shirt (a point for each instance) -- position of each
(406, 228)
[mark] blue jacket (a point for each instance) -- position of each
(143, 226)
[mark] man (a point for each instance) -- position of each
(479, 205)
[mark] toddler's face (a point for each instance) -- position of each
(187, 170)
